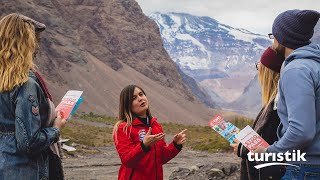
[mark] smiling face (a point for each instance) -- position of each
(140, 103)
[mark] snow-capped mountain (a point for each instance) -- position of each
(219, 57)
(202, 43)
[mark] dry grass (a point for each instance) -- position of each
(87, 135)
(199, 137)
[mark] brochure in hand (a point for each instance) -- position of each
(223, 127)
(69, 103)
(250, 139)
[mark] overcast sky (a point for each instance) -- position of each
(254, 15)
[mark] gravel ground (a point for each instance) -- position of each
(104, 164)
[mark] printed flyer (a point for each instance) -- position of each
(69, 103)
(223, 127)
(250, 139)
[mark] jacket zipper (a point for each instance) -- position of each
(155, 160)
(155, 155)
(131, 174)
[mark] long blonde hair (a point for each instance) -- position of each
(269, 84)
(17, 45)
(125, 114)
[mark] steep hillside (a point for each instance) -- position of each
(249, 102)
(100, 46)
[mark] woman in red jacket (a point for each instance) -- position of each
(139, 138)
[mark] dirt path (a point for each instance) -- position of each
(105, 165)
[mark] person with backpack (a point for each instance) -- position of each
(29, 127)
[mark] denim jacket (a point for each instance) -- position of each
(24, 137)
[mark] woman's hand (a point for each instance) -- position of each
(235, 145)
(59, 122)
(149, 139)
(180, 138)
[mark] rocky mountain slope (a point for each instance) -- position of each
(100, 46)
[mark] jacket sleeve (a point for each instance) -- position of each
(297, 89)
(168, 151)
(130, 153)
(31, 138)
(242, 151)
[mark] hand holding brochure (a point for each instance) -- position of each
(69, 103)
(224, 128)
(250, 139)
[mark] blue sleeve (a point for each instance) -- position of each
(32, 138)
(297, 88)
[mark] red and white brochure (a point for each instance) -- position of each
(68, 102)
(224, 128)
(250, 139)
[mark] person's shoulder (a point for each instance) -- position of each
(122, 124)
(31, 85)
(155, 121)
(299, 66)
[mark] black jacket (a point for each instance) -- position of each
(265, 124)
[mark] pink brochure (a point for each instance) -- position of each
(68, 103)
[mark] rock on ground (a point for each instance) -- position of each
(105, 163)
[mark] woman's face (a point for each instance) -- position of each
(140, 103)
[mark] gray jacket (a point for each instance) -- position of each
(299, 104)
(24, 137)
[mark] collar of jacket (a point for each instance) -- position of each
(137, 122)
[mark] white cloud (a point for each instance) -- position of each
(255, 16)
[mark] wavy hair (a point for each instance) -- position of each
(269, 84)
(125, 113)
(18, 44)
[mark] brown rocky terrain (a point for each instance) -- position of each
(189, 164)
(100, 46)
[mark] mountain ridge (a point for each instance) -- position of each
(100, 47)
(215, 55)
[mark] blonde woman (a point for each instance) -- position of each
(139, 138)
(28, 126)
(267, 121)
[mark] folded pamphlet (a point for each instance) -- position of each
(250, 139)
(224, 128)
(69, 103)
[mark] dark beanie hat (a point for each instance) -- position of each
(294, 28)
(271, 60)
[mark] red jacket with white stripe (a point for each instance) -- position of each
(136, 163)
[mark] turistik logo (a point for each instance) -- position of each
(276, 158)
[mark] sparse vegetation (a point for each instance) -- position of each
(199, 137)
